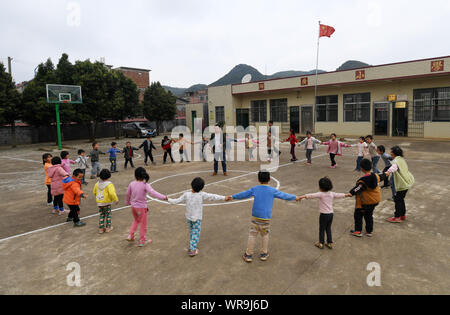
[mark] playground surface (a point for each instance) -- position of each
(36, 246)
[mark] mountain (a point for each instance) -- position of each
(352, 64)
(176, 91)
(238, 72)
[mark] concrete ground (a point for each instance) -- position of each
(413, 256)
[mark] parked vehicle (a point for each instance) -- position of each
(138, 130)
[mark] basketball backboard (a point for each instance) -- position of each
(64, 94)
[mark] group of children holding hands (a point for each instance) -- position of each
(63, 188)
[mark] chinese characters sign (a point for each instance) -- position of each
(304, 81)
(360, 74)
(437, 65)
(261, 86)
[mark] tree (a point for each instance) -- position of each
(125, 99)
(10, 102)
(159, 105)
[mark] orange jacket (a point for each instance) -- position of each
(48, 180)
(72, 191)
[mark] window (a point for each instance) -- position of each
(357, 107)
(432, 104)
(327, 108)
(220, 114)
(278, 110)
(259, 111)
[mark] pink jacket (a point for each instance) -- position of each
(137, 194)
(65, 163)
(56, 173)
(336, 147)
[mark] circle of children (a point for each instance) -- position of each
(63, 188)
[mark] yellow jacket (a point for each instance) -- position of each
(105, 193)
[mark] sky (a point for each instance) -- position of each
(198, 41)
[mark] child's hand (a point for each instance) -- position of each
(117, 202)
(84, 196)
(298, 199)
(349, 195)
(228, 198)
(167, 199)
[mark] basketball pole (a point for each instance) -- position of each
(58, 127)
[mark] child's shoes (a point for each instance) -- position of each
(101, 231)
(394, 220)
(107, 230)
(193, 253)
(247, 258)
(145, 243)
(130, 238)
(356, 233)
(264, 256)
(319, 245)
(79, 224)
(329, 245)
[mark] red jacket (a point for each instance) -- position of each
(292, 139)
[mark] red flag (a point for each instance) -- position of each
(326, 30)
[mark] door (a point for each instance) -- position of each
(307, 119)
(400, 119)
(194, 116)
(243, 118)
(381, 119)
(294, 117)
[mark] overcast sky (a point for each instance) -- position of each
(185, 42)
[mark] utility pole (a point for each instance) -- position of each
(9, 65)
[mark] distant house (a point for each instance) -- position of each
(139, 76)
(21, 86)
(180, 117)
(197, 108)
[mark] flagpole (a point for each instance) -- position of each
(317, 80)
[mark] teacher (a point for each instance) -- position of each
(219, 145)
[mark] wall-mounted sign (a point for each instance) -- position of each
(402, 97)
(261, 86)
(437, 65)
(392, 98)
(360, 74)
(400, 105)
(304, 81)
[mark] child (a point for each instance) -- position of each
(194, 211)
(47, 161)
(94, 155)
(362, 145)
(56, 173)
(113, 157)
(368, 195)
(403, 181)
(261, 213)
(335, 148)
(182, 141)
(65, 161)
(310, 145)
(137, 198)
(381, 150)
(148, 147)
(73, 195)
(82, 164)
(269, 147)
(325, 197)
(204, 144)
(166, 144)
(105, 195)
(292, 140)
(251, 142)
(373, 153)
(128, 152)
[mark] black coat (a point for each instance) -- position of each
(126, 154)
(146, 147)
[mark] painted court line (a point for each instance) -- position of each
(126, 207)
(19, 159)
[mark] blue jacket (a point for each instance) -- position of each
(263, 200)
(112, 152)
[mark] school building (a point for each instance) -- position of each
(405, 99)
